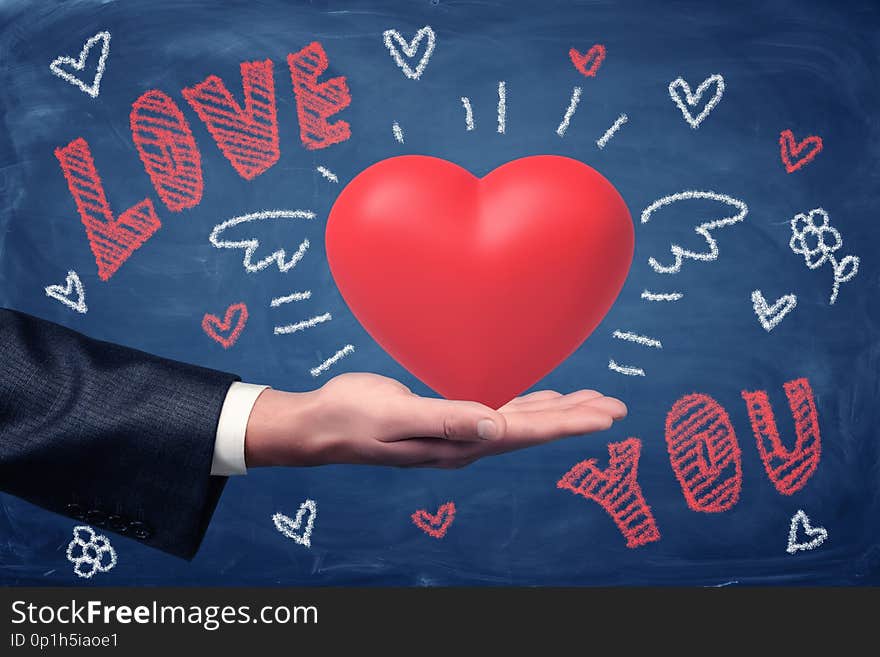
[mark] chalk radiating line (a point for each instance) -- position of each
(623, 118)
(643, 340)
(502, 107)
(621, 369)
(468, 113)
(398, 133)
(323, 367)
(572, 106)
(299, 326)
(661, 296)
(329, 175)
(296, 296)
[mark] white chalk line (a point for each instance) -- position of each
(468, 113)
(300, 326)
(409, 49)
(643, 340)
(569, 112)
(339, 355)
(502, 107)
(610, 132)
(801, 519)
(62, 294)
(770, 316)
(398, 133)
(251, 245)
(694, 98)
(296, 296)
(623, 369)
(661, 296)
(703, 229)
(824, 251)
(94, 88)
(293, 529)
(329, 175)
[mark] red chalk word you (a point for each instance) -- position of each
(112, 239)
(226, 331)
(617, 490)
(789, 470)
(247, 136)
(705, 457)
(704, 453)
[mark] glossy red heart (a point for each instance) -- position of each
(479, 287)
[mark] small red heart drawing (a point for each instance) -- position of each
(789, 148)
(215, 328)
(437, 524)
(588, 63)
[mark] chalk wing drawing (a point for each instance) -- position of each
(692, 100)
(395, 43)
(93, 88)
(817, 534)
(90, 553)
(63, 294)
(251, 245)
(294, 529)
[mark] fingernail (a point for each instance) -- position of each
(486, 429)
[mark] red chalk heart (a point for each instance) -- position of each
(479, 287)
(589, 62)
(796, 154)
(223, 331)
(435, 524)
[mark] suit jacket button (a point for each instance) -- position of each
(139, 530)
(75, 510)
(96, 517)
(117, 523)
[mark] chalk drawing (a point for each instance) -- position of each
(623, 369)
(436, 524)
(693, 99)
(294, 529)
(397, 132)
(818, 534)
(251, 245)
(770, 316)
(806, 231)
(224, 331)
(62, 294)
(623, 118)
(301, 326)
(643, 340)
(94, 88)
(296, 296)
(468, 113)
(90, 553)
(317, 101)
(502, 107)
(703, 229)
(796, 154)
(393, 40)
(323, 367)
(569, 112)
(329, 175)
(589, 62)
(661, 296)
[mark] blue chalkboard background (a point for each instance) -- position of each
(809, 67)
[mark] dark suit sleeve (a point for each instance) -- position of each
(111, 436)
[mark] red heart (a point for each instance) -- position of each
(479, 287)
(209, 322)
(789, 148)
(437, 524)
(593, 57)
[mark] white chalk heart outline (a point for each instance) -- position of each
(95, 87)
(770, 316)
(693, 99)
(62, 294)
(800, 519)
(409, 49)
(291, 528)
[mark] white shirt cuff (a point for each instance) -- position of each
(229, 442)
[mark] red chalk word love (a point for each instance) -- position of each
(246, 135)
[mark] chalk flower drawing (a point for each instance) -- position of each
(813, 237)
(90, 553)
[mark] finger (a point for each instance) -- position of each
(613, 407)
(533, 396)
(414, 417)
(432, 452)
(526, 429)
(562, 401)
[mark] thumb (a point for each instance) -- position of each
(424, 417)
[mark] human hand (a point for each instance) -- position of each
(371, 419)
